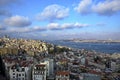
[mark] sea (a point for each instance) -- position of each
(98, 47)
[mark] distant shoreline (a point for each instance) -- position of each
(94, 41)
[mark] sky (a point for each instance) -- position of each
(60, 19)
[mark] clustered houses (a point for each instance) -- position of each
(66, 65)
(22, 67)
(17, 67)
(30, 46)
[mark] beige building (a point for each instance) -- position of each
(8, 51)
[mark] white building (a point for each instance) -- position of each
(17, 72)
(49, 65)
(87, 76)
(39, 72)
(83, 60)
(113, 66)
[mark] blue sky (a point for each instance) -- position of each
(60, 19)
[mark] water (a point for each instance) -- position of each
(99, 47)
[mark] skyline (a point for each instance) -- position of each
(54, 20)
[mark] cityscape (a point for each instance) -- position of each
(23, 59)
(59, 40)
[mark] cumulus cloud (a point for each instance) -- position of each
(53, 12)
(108, 7)
(50, 26)
(56, 26)
(67, 25)
(105, 8)
(83, 7)
(38, 28)
(17, 21)
(6, 29)
(79, 25)
(73, 25)
(26, 29)
(18, 29)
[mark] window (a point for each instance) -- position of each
(66, 75)
(13, 70)
(19, 74)
(17, 70)
(13, 76)
(19, 78)
(22, 74)
(23, 69)
(13, 73)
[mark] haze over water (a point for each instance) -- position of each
(99, 47)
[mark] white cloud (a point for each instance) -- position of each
(108, 7)
(53, 12)
(67, 25)
(79, 25)
(38, 28)
(17, 21)
(50, 26)
(56, 26)
(26, 29)
(73, 25)
(18, 29)
(105, 8)
(83, 7)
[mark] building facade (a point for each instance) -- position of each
(39, 72)
(19, 73)
(49, 65)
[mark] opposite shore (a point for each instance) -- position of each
(93, 41)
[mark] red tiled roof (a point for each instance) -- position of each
(95, 72)
(62, 73)
(40, 65)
